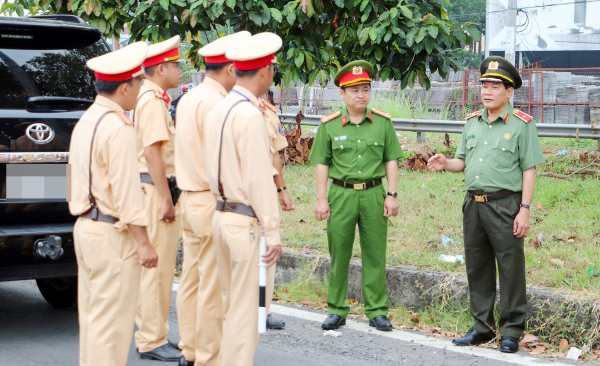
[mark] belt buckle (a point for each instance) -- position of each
(359, 186)
(482, 198)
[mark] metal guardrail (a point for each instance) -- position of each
(441, 126)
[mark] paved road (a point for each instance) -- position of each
(34, 333)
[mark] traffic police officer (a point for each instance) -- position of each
(278, 142)
(199, 299)
(110, 236)
(356, 147)
(239, 165)
(498, 151)
(155, 142)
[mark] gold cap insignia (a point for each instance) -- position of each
(493, 65)
(357, 70)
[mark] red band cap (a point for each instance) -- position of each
(354, 79)
(170, 55)
(216, 59)
(254, 64)
(118, 77)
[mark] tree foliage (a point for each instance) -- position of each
(402, 39)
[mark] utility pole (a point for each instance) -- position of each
(511, 34)
(487, 28)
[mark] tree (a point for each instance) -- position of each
(402, 39)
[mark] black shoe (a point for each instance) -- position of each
(184, 362)
(472, 338)
(165, 352)
(333, 321)
(174, 345)
(509, 344)
(380, 322)
(273, 323)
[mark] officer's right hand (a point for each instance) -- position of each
(322, 211)
(436, 162)
(167, 211)
(148, 256)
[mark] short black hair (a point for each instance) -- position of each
(215, 67)
(150, 70)
(344, 87)
(110, 87)
(242, 73)
(507, 84)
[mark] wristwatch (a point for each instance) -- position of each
(393, 194)
(525, 206)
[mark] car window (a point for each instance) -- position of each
(26, 73)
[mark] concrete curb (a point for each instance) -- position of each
(416, 289)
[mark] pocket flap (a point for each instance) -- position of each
(375, 142)
(471, 143)
(341, 145)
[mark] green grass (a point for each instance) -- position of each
(430, 205)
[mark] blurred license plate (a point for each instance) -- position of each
(43, 182)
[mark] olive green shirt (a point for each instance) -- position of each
(497, 153)
(356, 153)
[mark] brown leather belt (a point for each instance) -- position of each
(235, 207)
(96, 215)
(357, 186)
(482, 196)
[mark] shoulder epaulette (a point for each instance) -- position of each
(124, 117)
(330, 117)
(474, 114)
(268, 105)
(522, 116)
(382, 113)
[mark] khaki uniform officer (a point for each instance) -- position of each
(110, 235)
(155, 140)
(199, 299)
(239, 165)
(356, 147)
(278, 142)
(498, 151)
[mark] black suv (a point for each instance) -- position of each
(44, 89)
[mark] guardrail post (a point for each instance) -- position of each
(420, 136)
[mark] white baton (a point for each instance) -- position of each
(262, 283)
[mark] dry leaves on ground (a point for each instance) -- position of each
(558, 262)
(532, 344)
(419, 161)
(540, 206)
(298, 149)
(563, 346)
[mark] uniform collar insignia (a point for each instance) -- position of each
(344, 120)
(164, 96)
(506, 117)
(370, 117)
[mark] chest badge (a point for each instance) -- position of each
(507, 136)
(340, 138)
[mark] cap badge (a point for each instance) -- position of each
(357, 70)
(493, 65)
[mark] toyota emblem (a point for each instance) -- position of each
(40, 133)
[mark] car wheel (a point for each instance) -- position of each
(59, 292)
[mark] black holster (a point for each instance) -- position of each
(175, 192)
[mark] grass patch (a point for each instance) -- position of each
(568, 217)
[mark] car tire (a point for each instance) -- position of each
(59, 292)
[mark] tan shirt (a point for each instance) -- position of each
(189, 140)
(246, 161)
(115, 178)
(278, 140)
(153, 124)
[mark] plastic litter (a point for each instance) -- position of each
(447, 241)
(332, 333)
(591, 271)
(574, 353)
(562, 153)
(452, 258)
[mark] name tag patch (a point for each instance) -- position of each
(341, 138)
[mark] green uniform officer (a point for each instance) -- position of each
(356, 147)
(498, 151)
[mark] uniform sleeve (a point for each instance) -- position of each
(124, 178)
(256, 162)
(530, 151)
(278, 141)
(151, 122)
(461, 150)
(321, 149)
(393, 150)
